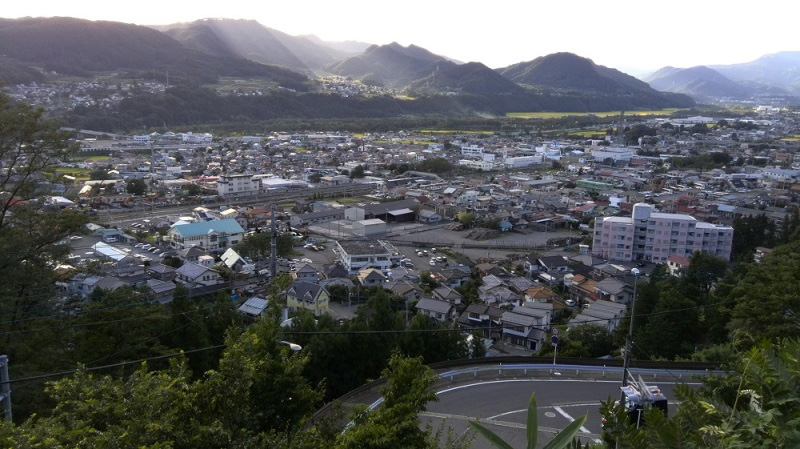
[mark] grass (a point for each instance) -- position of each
(545, 115)
(791, 138)
(91, 158)
(349, 200)
(404, 97)
(300, 150)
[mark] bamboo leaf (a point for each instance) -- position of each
(493, 439)
(533, 425)
(565, 436)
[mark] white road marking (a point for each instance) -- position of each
(489, 382)
(507, 413)
(571, 419)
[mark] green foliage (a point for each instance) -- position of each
(706, 161)
(99, 174)
(396, 423)
(766, 300)
(757, 405)
(258, 245)
(562, 439)
(466, 218)
(136, 187)
(436, 165)
(357, 172)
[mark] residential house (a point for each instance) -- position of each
(161, 272)
(436, 309)
(254, 307)
(409, 291)
(485, 317)
(429, 216)
(447, 294)
(677, 265)
(540, 294)
(371, 277)
(525, 327)
(162, 291)
(192, 253)
(614, 290)
(307, 296)
(195, 275)
(305, 272)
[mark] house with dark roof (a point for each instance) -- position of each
(162, 291)
(436, 309)
(192, 253)
(485, 317)
(161, 272)
(447, 294)
(195, 275)
(307, 296)
(305, 272)
(526, 327)
(410, 291)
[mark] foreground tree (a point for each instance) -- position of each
(757, 405)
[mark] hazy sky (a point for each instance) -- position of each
(636, 36)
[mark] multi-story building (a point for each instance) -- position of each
(358, 255)
(650, 236)
(237, 185)
(211, 235)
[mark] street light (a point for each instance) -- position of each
(629, 339)
(292, 346)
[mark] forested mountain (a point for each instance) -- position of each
(570, 72)
(82, 47)
(473, 78)
(391, 65)
(249, 39)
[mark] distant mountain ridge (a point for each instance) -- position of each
(82, 47)
(780, 70)
(570, 72)
(698, 82)
(252, 40)
(391, 64)
(349, 47)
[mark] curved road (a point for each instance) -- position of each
(501, 405)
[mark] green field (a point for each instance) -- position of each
(91, 158)
(348, 200)
(542, 115)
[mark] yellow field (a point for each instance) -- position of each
(91, 158)
(542, 115)
(453, 131)
(791, 139)
(402, 142)
(404, 97)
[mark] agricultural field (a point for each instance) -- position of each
(546, 115)
(80, 174)
(90, 158)
(454, 131)
(403, 142)
(795, 138)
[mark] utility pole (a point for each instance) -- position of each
(273, 248)
(629, 339)
(5, 390)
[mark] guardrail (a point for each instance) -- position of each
(523, 365)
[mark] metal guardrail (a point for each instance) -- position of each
(559, 369)
(471, 367)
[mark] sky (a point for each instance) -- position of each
(636, 36)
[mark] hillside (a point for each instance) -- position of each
(251, 40)
(778, 70)
(82, 47)
(472, 78)
(698, 82)
(391, 64)
(581, 76)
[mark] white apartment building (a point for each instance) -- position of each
(522, 161)
(472, 151)
(651, 236)
(616, 154)
(358, 255)
(239, 185)
(477, 165)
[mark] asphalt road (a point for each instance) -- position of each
(502, 406)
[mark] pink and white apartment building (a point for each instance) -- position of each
(650, 236)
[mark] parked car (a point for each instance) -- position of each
(432, 263)
(75, 237)
(570, 302)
